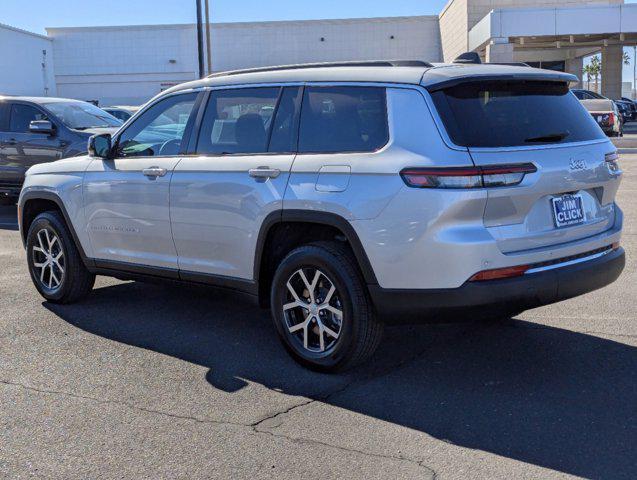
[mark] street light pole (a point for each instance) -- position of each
(635, 72)
(200, 40)
(208, 38)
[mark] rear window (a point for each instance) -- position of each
(512, 114)
(343, 119)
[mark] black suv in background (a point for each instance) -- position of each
(41, 129)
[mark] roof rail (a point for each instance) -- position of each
(372, 63)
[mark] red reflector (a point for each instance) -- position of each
(615, 246)
(498, 273)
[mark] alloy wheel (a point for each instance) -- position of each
(48, 259)
(313, 310)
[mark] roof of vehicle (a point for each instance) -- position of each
(130, 108)
(598, 105)
(39, 100)
(427, 75)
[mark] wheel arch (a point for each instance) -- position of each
(35, 202)
(329, 223)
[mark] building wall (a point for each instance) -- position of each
(25, 68)
(122, 65)
(129, 65)
(460, 16)
(454, 25)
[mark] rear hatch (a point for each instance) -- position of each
(510, 122)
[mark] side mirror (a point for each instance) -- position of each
(41, 126)
(100, 146)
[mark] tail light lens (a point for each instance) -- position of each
(611, 119)
(467, 177)
(500, 273)
(612, 163)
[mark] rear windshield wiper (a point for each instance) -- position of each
(549, 138)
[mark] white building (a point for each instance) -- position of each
(122, 65)
(26, 63)
(128, 65)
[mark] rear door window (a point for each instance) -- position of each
(343, 119)
(286, 123)
(514, 113)
(238, 121)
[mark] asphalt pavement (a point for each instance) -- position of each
(147, 381)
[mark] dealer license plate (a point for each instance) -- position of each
(568, 210)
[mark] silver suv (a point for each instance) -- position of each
(342, 197)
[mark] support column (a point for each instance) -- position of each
(499, 50)
(612, 71)
(575, 66)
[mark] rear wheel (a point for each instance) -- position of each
(321, 308)
(55, 264)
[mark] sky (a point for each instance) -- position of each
(36, 15)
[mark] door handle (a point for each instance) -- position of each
(154, 172)
(264, 172)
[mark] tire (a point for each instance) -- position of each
(358, 331)
(66, 278)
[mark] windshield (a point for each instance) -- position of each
(82, 115)
(514, 113)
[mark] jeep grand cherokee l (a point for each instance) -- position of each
(343, 197)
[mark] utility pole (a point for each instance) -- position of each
(200, 40)
(208, 38)
(635, 72)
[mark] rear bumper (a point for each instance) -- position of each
(509, 296)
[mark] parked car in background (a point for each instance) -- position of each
(626, 109)
(603, 110)
(342, 197)
(632, 107)
(123, 112)
(42, 129)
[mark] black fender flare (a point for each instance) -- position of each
(321, 218)
(52, 197)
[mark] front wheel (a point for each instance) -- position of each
(321, 308)
(55, 264)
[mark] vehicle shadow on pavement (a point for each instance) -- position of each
(546, 396)
(8, 217)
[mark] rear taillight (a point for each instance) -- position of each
(612, 163)
(611, 119)
(467, 177)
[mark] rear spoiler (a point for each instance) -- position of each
(529, 75)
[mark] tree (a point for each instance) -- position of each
(595, 69)
(588, 71)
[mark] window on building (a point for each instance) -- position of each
(343, 119)
(160, 130)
